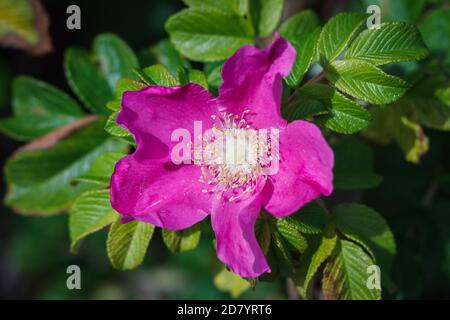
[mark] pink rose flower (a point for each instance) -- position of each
(147, 185)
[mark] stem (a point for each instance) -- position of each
(316, 78)
(429, 194)
(292, 289)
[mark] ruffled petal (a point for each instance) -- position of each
(153, 113)
(237, 247)
(305, 170)
(252, 79)
(165, 195)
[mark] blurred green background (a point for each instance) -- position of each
(34, 252)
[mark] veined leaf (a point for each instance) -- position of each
(302, 31)
(38, 109)
(192, 76)
(93, 77)
(284, 258)
(116, 59)
(291, 232)
(345, 275)
(127, 243)
(102, 168)
(364, 81)
(40, 180)
(160, 75)
(87, 81)
(208, 35)
(367, 227)
(123, 85)
(323, 252)
(331, 108)
(265, 15)
(336, 35)
(391, 42)
(311, 219)
(90, 213)
(232, 6)
(183, 240)
(111, 125)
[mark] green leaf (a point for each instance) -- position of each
(353, 167)
(90, 213)
(367, 227)
(336, 35)
(345, 275)
(102, 168)
(127, 243)
(87, 81)
(302, 31)
(111, 125)
(263, 232)
(291, 232)
(123, 85)
(411, 138)
(323, 252)
(38, 109)
(232, 6)
(115, 58)
(227, 281)
(160, 75)
(40, 180)
(183, 240)
(265, 15)
(364, 81)
(208, 35)
(213, 72)
(284, 258)
(93, 77)
(391, 42)
(429, 100)
(391, 123)
(345, 115)
(435, 29)
(311, 219)
(192, 76)
(164, 53)
(331, 108)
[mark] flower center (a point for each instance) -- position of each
(234, 157)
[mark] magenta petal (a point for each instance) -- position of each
(153, 113)
(164, 195)
(237, 247)
(305, 172)
(252, 79)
